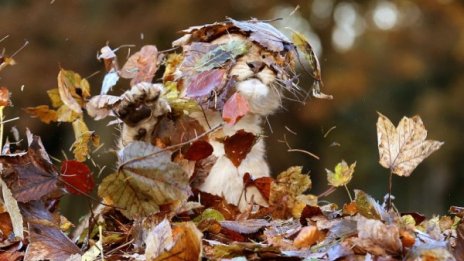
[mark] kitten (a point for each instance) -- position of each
(142, 108)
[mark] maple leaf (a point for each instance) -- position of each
(235, 108)
(402, 148)
(146, 179)
(342, 175)
(77, 177)
(142, 65)
(30, 175)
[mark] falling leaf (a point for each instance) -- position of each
(110, 80)
(238, 146)
(12, 208)
(6, 61)
(402, 148)
(141, 66)
(46, 240)
(30, 175)
(4, 97)
(158, 240)
(74, 90)
(171, 65)
(203, 83)
(54, 96)
(43, 112)
(187, 243)
(264, 34)
(83, 136)
(235, 108)
(342, 175)
(100, 106)
(77, 177)
(65, 114)
(199, 150)
(303, 45)
(146, 179)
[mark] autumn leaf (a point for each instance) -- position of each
(235, 108)
(402, 148)
(187, 243)
(29, 175)
(141, 66)
(6, 61)
(100, 106)
(368, 206)
(303, 45)
(77, 177)
(342, 175)
(199, 150)
(12, 208)
(73, 90)
(158, 239)
(46, 240)
(145, 180)
(263, 184)
(5, 96)
(83, 137)
(54, 96)
(43, 112)
(247, 226)
(177, 102)
(203, 83)
(238, 146)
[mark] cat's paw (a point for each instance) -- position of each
(140, 110)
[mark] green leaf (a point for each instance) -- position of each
(342, 175)
(147, 178)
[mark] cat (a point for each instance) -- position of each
(143, 107)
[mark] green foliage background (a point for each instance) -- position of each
(414, 67)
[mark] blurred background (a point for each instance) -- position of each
(396, 57)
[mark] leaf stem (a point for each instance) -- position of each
(390, 185)
(349, 194)
(1, 127)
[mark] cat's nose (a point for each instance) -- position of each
(256, 66)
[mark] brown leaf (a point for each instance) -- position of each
(31, 175)
(263, 184)
(308, 236)
(203, 83)
(247, 226)
(238, 146)
(187, 247)
(141, 66)
(402, 148)
(46, 240)
(100, 106)
(229, 211)
(43, 112)
(235, 108)
(4, 97)
(199, 150)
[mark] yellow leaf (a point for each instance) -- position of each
(12, 207)
(65, 114)
(402, 148)
(43, 112)
(74, 91)
(342, 175)
(83, 136)
(55, 98)
(178, 104)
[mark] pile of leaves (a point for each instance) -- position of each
(149, 208)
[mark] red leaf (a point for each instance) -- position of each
(238, 146)
(235, 108)
(263, 184)
(77, 177)
(204, 82)
(199, 150)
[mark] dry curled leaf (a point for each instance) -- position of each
(74, 91)
(83, 137)
(142, 65)
(146, 179)
(14, 213)
(101, 106)
(187, 243)
(43, 112)
(402, 148)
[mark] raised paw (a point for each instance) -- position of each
(140, 109)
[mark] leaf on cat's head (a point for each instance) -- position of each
(402, 148)
(235, 108)
(204, 83)
(77, 177)
(342, 174)
(142, 65)
(146, 179)
(176, 102)
(237, 146)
